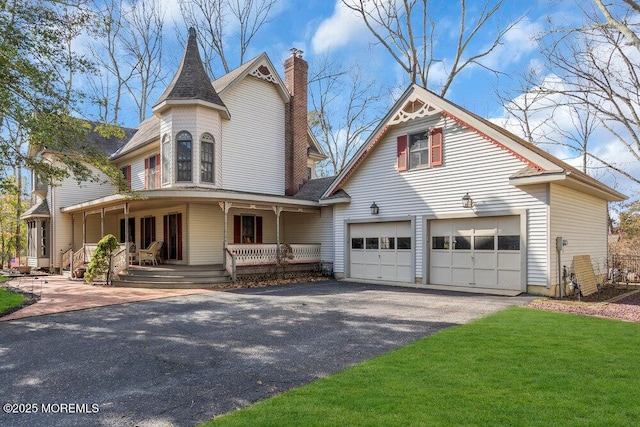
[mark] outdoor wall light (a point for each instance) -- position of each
(374, 209)
(467, 201)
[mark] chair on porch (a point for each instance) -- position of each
(151, 254)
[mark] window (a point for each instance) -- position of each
(403, 242)
(126, 173)
(32, 239)
(371, 242)
(132, 230)
(357, 243)
(461, 242)
(484, 243)
(183, 156)
(152, 172)
(44, 240)
(419, 150)
(247, 229)
(440, 242)
(166, 159)
(508, 243)
(147, 231)
(206, 158)
(387, 243)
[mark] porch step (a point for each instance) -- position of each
(173, 277)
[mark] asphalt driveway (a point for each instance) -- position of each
(182, 360)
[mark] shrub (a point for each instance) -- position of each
(99, 265)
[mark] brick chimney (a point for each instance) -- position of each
(295, 79)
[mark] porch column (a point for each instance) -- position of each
(84, 228)
(225, 206)
(278, 211)
(126, 227)
(101, 223)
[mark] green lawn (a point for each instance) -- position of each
(9, 300)
(517, 367)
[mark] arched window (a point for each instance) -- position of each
(206, 158)
(166, 159)
(184, 145)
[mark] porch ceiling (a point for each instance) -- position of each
(166, 198)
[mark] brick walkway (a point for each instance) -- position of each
(59, 294)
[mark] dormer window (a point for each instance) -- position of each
(184, 151)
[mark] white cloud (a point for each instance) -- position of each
(342, 28)
(517, 43)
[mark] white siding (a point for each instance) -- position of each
(206, 234)
(253, 140)
(581, 220)
(471, 164)
(310, 228)
(69, 192)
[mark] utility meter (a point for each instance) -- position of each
(560, 243)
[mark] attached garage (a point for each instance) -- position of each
(381, 251)
(483, 252)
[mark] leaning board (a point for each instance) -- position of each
(583, 269)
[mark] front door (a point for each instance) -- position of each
(173, 236)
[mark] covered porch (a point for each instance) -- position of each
(264, 230)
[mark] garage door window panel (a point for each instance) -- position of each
(484, 243)
(462, 243)
(508, 243)
(372, 243)
(357, 243)
(440, 242)
(387, 243)
(404, 242)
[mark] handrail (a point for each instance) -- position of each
(230, 264)
(78, 258)
(119, 263)
(67, 259)
(270, 254)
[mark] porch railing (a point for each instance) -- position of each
(67, 259)
(268, 254)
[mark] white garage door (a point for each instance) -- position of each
(481, 252)
(381, 251)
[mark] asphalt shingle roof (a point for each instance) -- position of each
(191, 81)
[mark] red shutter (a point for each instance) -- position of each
(179, 235)
(158, 170)
(129, 177)
(153, 228)
(436, 147)
(146, 173)
(237, 229)
(402, 153)
(258, 229)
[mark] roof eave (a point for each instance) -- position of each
(169, 103)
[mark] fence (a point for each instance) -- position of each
(628, 265)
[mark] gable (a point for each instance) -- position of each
(259, 67)
(418, 103)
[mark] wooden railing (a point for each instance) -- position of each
(230, 264)
(78, 258)
(119, 262)
(268, 254)
(67, 259)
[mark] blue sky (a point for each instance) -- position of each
(325, 28)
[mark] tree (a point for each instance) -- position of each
(344, 109)
(599, 82)
(216, 21)
(35, 95)
(409, 30)
(143, 44)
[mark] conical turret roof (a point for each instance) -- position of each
(191, 82)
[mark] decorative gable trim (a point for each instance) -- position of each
(263, 72)
(413, 108)
(493, 141)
